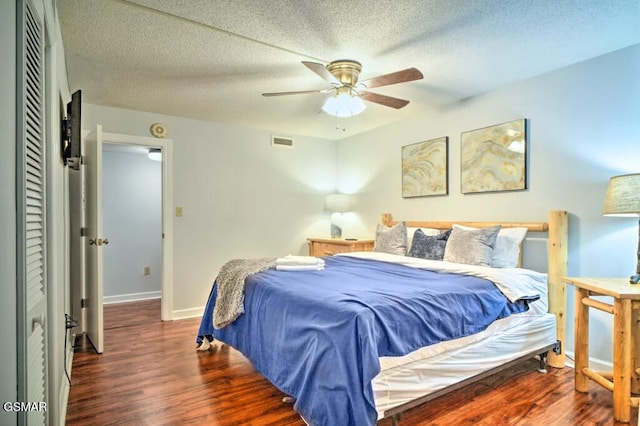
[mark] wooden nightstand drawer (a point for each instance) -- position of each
(323, 249)
(327, 247)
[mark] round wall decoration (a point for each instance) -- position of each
(158, 130)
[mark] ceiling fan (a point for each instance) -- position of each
(343, 77)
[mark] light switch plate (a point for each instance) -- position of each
(178, 211)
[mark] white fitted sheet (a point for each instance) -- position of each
(427, 370)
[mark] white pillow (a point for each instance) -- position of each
(507, 249)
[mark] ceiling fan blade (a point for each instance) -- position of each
(383, 100)
(410, 74)
(322, 71)
(301, 92)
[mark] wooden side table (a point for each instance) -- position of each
(330, 246)
(624, 378)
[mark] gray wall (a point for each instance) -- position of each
(241, 196)
(584, 128)
(132, 202)
(8, 349)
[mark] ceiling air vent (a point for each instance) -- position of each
(282, 141)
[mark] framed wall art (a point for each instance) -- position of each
(425, 168)
(494, 158)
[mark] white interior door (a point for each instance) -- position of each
(92, 169)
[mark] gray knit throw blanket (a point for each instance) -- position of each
(231, 281)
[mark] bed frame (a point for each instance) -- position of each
(557, 229)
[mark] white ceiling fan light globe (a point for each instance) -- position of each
(344, 105)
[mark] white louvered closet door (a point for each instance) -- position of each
(31, 212)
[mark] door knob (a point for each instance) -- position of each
(98, 241)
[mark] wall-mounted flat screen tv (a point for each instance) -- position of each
(71, 132)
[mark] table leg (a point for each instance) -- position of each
(581, 339)
(622, 360)
(635, 349)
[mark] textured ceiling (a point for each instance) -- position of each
(212, 59)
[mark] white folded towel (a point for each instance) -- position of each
(299, 267)
(291, 260)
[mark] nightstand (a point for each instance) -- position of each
(329, 246)
(624, 379)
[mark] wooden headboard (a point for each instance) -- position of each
(557, 228)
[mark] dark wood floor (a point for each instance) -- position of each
(150, 374)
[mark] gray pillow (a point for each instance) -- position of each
(473, 247)
(391, 240)
(428, 246)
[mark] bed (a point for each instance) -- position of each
(352, 350)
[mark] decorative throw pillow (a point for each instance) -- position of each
(506, 252)
(431, 232)
(473, 247)
(427, 246)
(391, 240)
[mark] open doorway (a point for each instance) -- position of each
(92, 242)
(132, 220)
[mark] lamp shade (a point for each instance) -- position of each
(623, 196)
(338, 203)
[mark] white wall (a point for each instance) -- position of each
(57, 226)
(132, 202)
(8, 349)
(584, 128)
(241, 196)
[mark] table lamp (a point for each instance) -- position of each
(337, 203)
(623, 199)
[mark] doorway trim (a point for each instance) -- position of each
(165, 145)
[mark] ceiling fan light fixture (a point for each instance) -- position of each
(344, 105)
(154, 154)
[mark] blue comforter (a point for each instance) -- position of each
(318, 335)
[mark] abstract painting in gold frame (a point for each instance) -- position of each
(494, 158)
(425, 168)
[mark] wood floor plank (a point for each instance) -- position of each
(131, 313)
(150, 374)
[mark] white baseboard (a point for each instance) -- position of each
(188, 313)
(594, 364)
(131, 297)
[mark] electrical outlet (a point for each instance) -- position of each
(147, 270)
